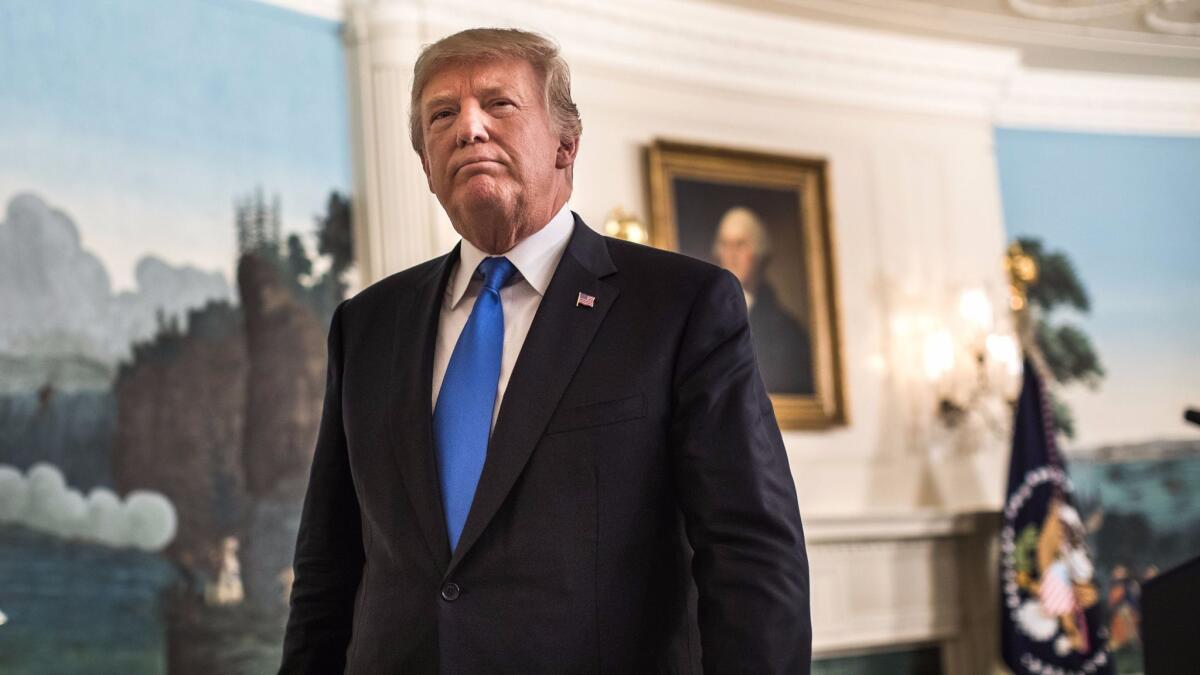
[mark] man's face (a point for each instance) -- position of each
(735, 252)
(491, 154)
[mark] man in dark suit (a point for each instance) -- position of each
(524, 440)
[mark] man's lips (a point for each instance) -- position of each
(470, 162)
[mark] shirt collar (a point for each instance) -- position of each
(535, 257)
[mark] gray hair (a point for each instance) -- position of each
(483, 44)
(759, 238)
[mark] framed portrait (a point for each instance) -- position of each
(766, 219)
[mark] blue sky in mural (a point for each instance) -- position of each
(145, 129)
(1126, 210)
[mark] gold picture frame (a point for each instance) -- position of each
(702, 199)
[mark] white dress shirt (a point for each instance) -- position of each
(535, 257)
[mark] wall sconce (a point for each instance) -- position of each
(970, 365)
(622, 225)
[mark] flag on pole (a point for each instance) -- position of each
(1051, 621)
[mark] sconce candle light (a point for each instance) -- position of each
(968, 362)
(625, 226)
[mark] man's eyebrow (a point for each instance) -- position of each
(496, 89)
(444, 99)
(438, 101)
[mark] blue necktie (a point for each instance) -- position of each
(462, 418)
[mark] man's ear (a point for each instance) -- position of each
(567, 149)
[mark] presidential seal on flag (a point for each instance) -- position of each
(1051, 610)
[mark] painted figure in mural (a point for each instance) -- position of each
(522, 437)
(228, 588)
(743, 246)
(1124, 608)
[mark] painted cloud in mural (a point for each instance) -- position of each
(57, 297)
(42, 500)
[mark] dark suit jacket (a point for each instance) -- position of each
(628, 430)
(782, 345)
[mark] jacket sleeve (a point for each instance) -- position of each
(737, 495)
(329, 551)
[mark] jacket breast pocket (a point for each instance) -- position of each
(597, 414)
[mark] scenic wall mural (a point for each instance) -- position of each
(174, 235)
(1122, 211)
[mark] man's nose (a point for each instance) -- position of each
(472, 127)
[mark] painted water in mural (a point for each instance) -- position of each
(174, 236)
(1122, 210)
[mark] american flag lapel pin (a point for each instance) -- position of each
(585, 300)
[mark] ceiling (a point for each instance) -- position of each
(1147, 37)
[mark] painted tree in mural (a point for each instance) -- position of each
(333, 233)
(1067, 351)
(258, 224)
(334, 241)
(258, 234)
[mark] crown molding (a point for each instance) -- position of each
(1066, 27)
(1072, 101)
(1156, 16)
(715, 47)
(720, 47)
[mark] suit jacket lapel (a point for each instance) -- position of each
(557, 340)
(410, 413)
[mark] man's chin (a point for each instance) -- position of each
(483, 202)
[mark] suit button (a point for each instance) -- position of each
(450, 592)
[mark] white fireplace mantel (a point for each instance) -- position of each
(884, 581)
